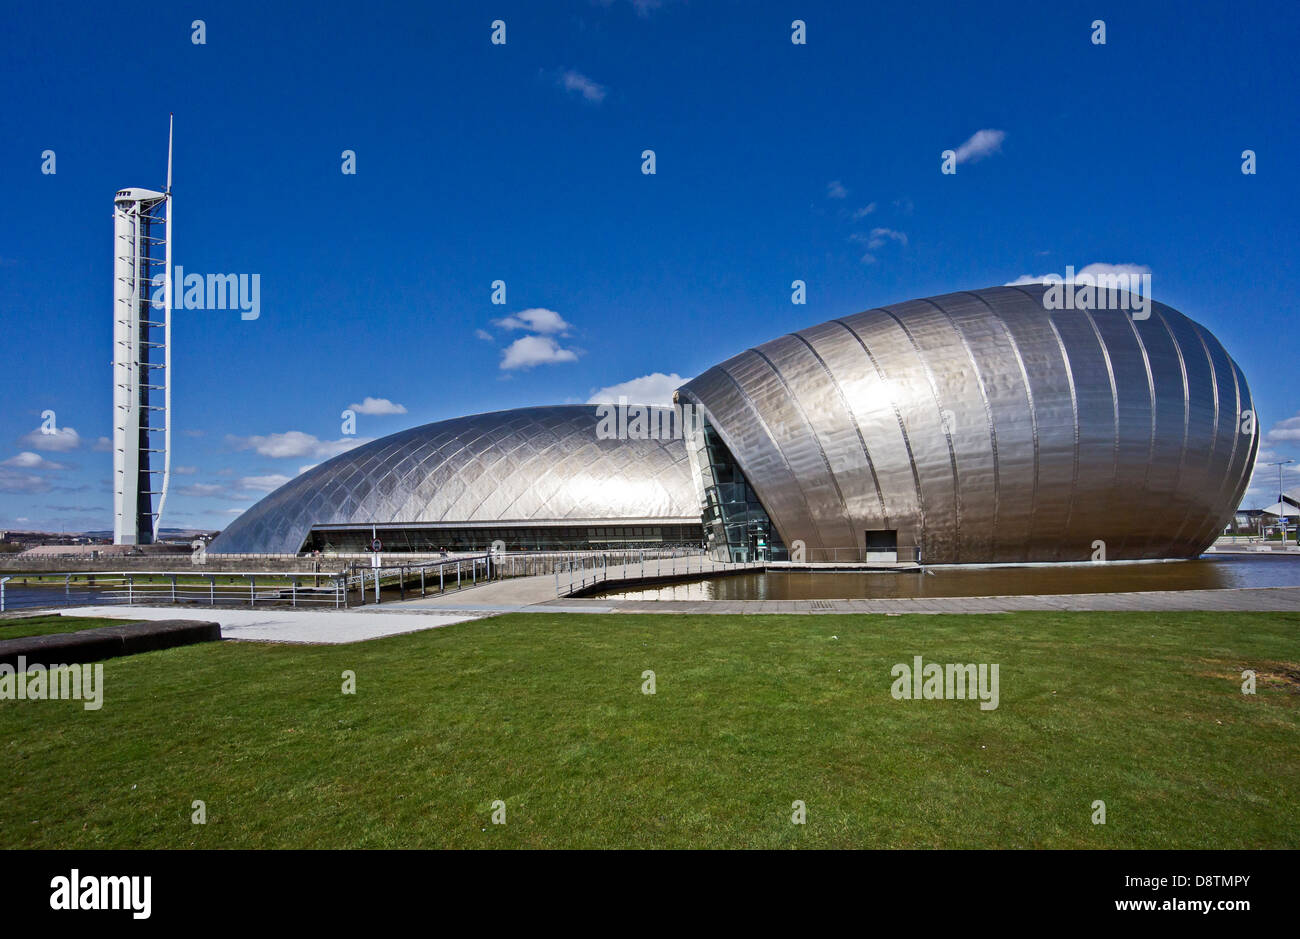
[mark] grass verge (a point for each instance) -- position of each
(22, 626)
(546, 713)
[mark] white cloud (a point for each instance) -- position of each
(982, 143)
(202, 489)
(835, 190)
(29, 460)
(655, 388)
(295, 443)
(538, 320)
(642, 7)
(309, 466)
(102, 445)
(264, 483)
(1095, 270)
(1288, 429)
(184, 470)
(377, 406)
(864, 211)
(60, 441)
(576, 81)
(24, 483)
(527, 351)
(483, 334)
(877, 239)
(880, 235)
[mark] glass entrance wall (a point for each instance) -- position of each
(736, 526)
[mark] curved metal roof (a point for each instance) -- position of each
(541, 464)
(984, 427)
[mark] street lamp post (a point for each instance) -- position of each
(1281, 505)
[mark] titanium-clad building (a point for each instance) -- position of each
(533, 478)
(975, 427)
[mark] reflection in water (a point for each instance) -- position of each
(1201, 574)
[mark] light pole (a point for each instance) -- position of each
(1281, 505)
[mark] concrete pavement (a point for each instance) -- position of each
(1241, 599)
(295, 624)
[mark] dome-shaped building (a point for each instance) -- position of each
(976, 427)
(532, 478)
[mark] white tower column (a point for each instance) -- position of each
(142, 302)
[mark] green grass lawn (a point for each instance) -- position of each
(21, 626)
(546, 712)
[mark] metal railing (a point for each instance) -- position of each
(590, 572)
(356, 584)
(373, 579)
(228, 588)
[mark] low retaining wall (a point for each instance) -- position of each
(106, 642)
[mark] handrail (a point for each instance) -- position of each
(601, 574)
(132, 587)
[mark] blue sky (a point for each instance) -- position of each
(522, 163)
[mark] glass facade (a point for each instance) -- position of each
(736, 526)
(424, 539)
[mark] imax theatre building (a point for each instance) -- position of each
(979, 427)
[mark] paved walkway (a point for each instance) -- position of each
(519, 596)
(301, 624)
(1245, 599)
(516, 592)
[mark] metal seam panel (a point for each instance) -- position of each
(902, 428)
(947, 432)
(812, 432)
(857, 428)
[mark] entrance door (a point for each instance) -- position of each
(882, 546)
